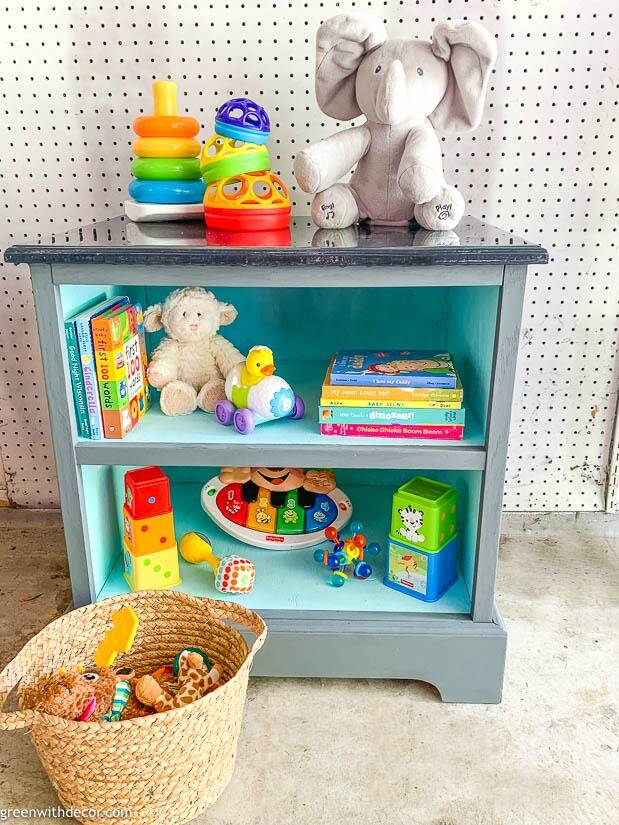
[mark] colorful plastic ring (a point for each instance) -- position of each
(243, 119)
(264, 238)
(247, 220)
(178, 126)
(241, 132)
(166, 168)
(166, 191)
(166, 147)
(258, 161)
(205, 658)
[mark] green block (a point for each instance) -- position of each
(290, 517)
(424, 513)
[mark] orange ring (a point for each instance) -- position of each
(166, 126)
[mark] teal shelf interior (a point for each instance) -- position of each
(306, 378)
(285, 580)
(304, 326)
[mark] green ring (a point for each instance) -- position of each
(166, 168)
(258, 161)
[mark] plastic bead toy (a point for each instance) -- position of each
(233, 574)
(243, 119)
(150, 551)
(347, 556)
(255, 395)
(167, 170)
(242, 194)
(223, 157)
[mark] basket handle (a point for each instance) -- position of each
(9, 678)
(233, 612)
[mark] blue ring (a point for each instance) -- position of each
(167, 191)
(240, 132)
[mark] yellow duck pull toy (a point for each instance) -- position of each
(255, 395)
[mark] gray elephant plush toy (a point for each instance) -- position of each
(406, 88)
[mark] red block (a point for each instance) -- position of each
(147, 492)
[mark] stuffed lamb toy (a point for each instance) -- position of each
(406, 88)
(191, 364)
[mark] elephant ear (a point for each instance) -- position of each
(341, 44)
(470, 53)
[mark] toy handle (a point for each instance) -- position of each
(9, 678)
(164, 97)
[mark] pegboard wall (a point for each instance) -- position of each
(75, 74)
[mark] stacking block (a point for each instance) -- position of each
(424, 575)
(157, 570)
(143, 536)
(424, 513)
(147, 492)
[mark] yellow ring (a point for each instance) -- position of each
(166, 147)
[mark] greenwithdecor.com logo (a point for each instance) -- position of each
(57, 812)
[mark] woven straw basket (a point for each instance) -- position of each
(165, 768)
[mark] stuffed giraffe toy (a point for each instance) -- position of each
(194, 681)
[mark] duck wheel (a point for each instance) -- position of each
(298, 411)
(224, 412)
(244, 421)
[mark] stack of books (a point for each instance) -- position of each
(106, 349)
(392, 394)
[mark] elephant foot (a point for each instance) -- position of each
(178, 398)
(210, 394)
(335, 208)
(442, 213)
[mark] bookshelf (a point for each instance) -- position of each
(388, 287)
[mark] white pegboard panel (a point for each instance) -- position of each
(74, 75)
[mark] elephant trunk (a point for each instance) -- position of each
(392, 97)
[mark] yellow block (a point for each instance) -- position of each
(166, 147)
(147, 535)
(261, 515)
(155, 571)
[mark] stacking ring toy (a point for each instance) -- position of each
(165, 122)
(224, 157)
(250, 201)
(166, 147)
(166, 168)
(243, 119)
(166, 191)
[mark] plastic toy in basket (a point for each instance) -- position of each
(243, 119)
(249, 201)
(223, 157)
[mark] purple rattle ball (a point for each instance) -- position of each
(242, 119)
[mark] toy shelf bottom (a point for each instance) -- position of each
(290, 580)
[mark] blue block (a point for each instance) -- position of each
(167, 191)
(421, 574)
(321, 515)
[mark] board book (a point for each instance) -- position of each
(80, 324)
(120, 370)
(425, 431)
(390, 415)
(394, 368)
(354, 395)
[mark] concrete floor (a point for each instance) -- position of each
(319, 751)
